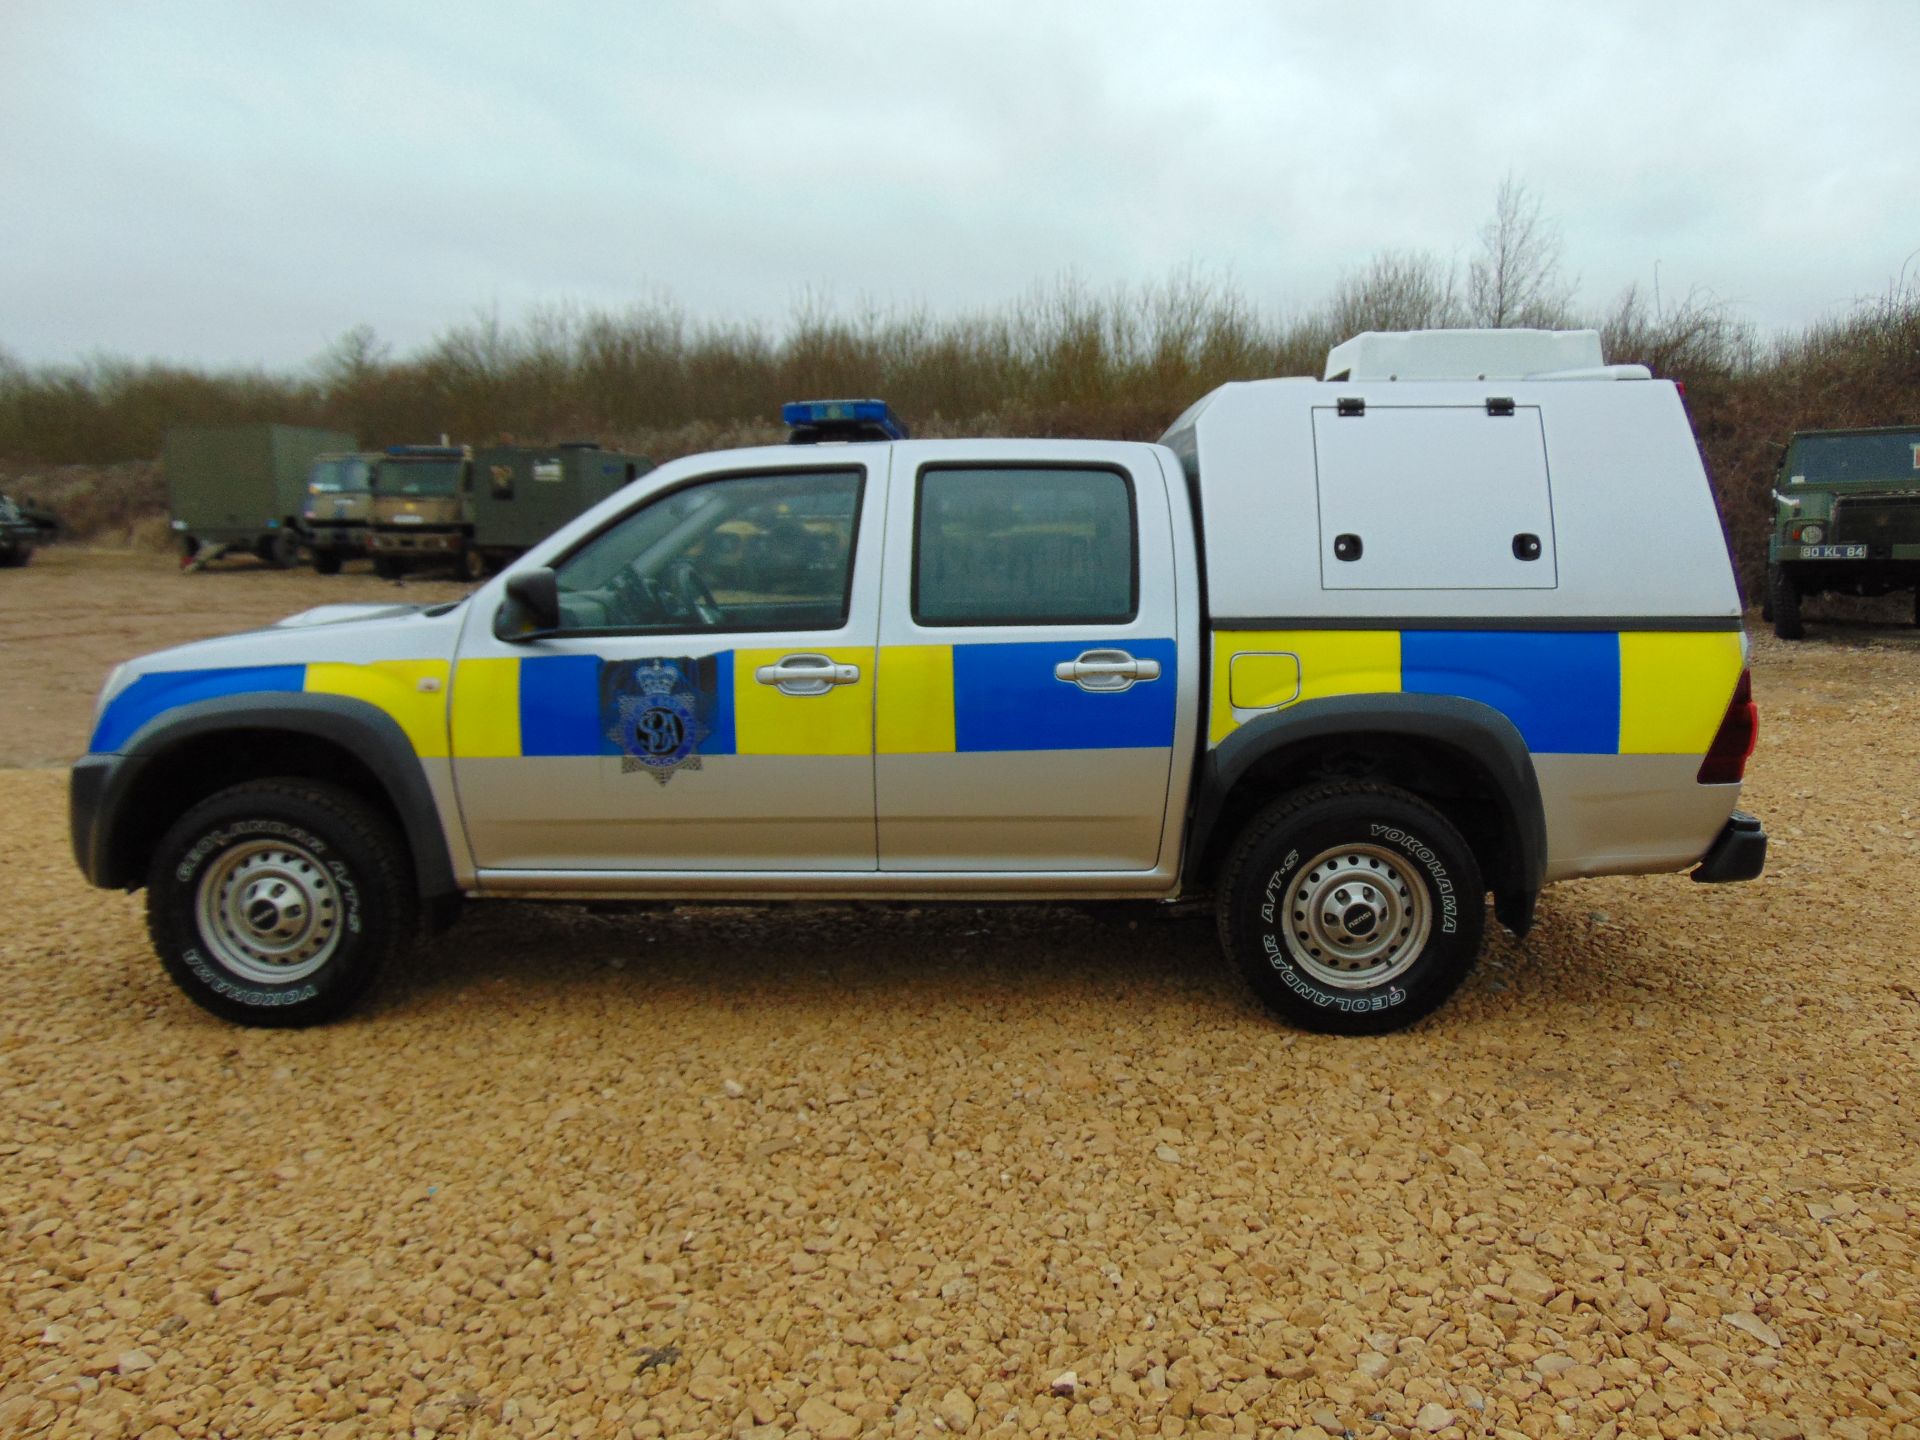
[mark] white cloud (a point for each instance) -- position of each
(236, 183)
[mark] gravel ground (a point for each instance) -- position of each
(838, 1172)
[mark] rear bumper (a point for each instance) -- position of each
(1738, 853)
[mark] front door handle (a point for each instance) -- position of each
(806, 674)
(1106, 670)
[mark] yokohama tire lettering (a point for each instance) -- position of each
(1442, 882)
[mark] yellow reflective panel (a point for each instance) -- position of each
(486, 709)
(769, 722)
(916, 700)
(1674, 689)
(394, 686)
(1262, 679)
(1332, 662)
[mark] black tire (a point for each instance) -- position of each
(473, 564)
(1359, 850)
(14, 556)
(326, 562)
(283, 550)
(1916, 607)
(330, 881)
(1785, 593)
(388, 568)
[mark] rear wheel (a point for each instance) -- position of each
(1916, 607)
(1352, 907)
(275, 903)
(473, 563)
(326, 562)
(387, 568)
(1785, 594)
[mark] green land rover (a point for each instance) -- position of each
(1846, 521)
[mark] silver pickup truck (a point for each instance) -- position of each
(1347, 655)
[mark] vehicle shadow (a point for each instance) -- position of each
(812, 955)
(805, 958)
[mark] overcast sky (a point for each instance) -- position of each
(237, 184)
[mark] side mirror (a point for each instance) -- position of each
(532, 606)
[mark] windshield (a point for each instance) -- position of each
(420, 477)
(1892, 458)
(331, 477)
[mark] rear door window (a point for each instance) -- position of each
(1044, 545)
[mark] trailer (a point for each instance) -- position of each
(523, 493)
(242, 487)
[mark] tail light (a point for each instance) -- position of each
(1726, 758)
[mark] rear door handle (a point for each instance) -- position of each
(806, 674)
(1106, 670)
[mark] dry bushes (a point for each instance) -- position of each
(123, 504)
(1064, 361)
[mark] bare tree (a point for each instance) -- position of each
(1516, 279)
(1396, 290)
(353, 357)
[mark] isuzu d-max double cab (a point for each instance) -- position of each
(1347, 655)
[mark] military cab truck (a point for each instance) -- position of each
(522, 494)
(242, 487)
(1846, 520)
(1343, 656)
(338, 507)
(420, 514)
(21, 530)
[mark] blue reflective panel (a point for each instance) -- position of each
(155, 694)
(1005, 697)
(1560, 690)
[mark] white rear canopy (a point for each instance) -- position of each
(1464, 354)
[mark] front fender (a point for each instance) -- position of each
(104, 790)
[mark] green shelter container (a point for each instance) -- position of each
(243, 486)
(523, 493)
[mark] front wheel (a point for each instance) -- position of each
(1352, 907)
(275, 903)
(326, 562)
(1785, 593)
(280, 549)
(388, 568)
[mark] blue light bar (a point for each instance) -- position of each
(861, 419)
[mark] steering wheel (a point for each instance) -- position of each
(631, 600)
(693, 594)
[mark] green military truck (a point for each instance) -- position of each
(22, 528)
(242, 487)
(339, 505)
(420, 511)
(524, 493)
(1846, 522)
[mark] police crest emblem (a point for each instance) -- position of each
(657, 713)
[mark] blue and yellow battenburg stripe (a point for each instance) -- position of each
(390, 685)
(1566, 692)
(930, 699)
